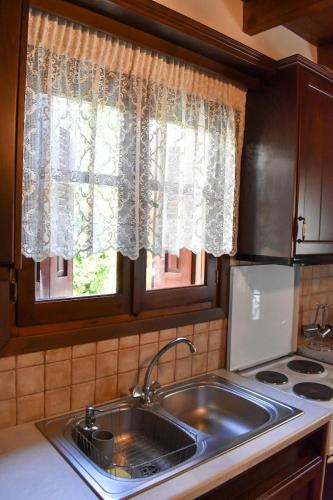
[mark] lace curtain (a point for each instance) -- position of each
(125, 148)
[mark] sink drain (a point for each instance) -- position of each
(148, 470)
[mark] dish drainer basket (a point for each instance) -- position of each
(144, 444)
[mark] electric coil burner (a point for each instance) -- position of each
(313, 390)
(271, 377)
(304, 366)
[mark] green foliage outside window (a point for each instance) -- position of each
(95, 275)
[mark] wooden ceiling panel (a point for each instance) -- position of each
(310, 19)
(316, 29)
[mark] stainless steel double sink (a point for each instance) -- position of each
(188, 423)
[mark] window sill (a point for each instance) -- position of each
(32, 339)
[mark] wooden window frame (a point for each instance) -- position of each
(153, 26)
(131, 302)
(193, 297)
(37, 312)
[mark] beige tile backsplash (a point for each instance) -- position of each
(43, 384)
(316, 288)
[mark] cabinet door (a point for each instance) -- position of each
(328, 485)
(304, 484)
(294, 473)
(315, 166)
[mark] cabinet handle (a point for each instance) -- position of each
(304, 229)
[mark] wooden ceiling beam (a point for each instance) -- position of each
(261, 15)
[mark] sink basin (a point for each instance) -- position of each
(188, 423)
(226, 413)
(217, 410)
(144, 443)
(148, 446)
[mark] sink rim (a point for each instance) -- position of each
(207, 446)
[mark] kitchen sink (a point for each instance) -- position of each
(144, 442)
(217, 410)
(187, 424)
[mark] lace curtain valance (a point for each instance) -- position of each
(125, 148)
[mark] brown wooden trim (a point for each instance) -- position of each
(32, 312)
(93, 333)
(265, 259)
(299, 260)
(10, 25)
(261, 15)
(169, 311)
(303, 62)
(149, 300)
(20, 135)
(223, 284)
(313, 260)
(96, 322)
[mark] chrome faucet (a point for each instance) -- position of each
(147, 392)
(324, 329)
(321, 328)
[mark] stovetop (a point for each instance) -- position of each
(285, 374)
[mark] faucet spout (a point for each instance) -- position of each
(148, 389)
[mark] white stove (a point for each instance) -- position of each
(322, 376)
(288, 380)
(299, 376)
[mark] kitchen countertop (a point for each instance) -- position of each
(31, 469)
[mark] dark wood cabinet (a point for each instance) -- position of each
(328, 485)
(286, 202)
(295, 473)
(315, 201)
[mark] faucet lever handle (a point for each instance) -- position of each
(150, 390)
(154, 386)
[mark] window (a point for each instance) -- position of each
(170, 271)
(130, 178)
(80, 277)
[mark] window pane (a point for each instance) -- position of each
(80, 277)
(171, 271)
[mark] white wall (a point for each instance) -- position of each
(226, 16)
